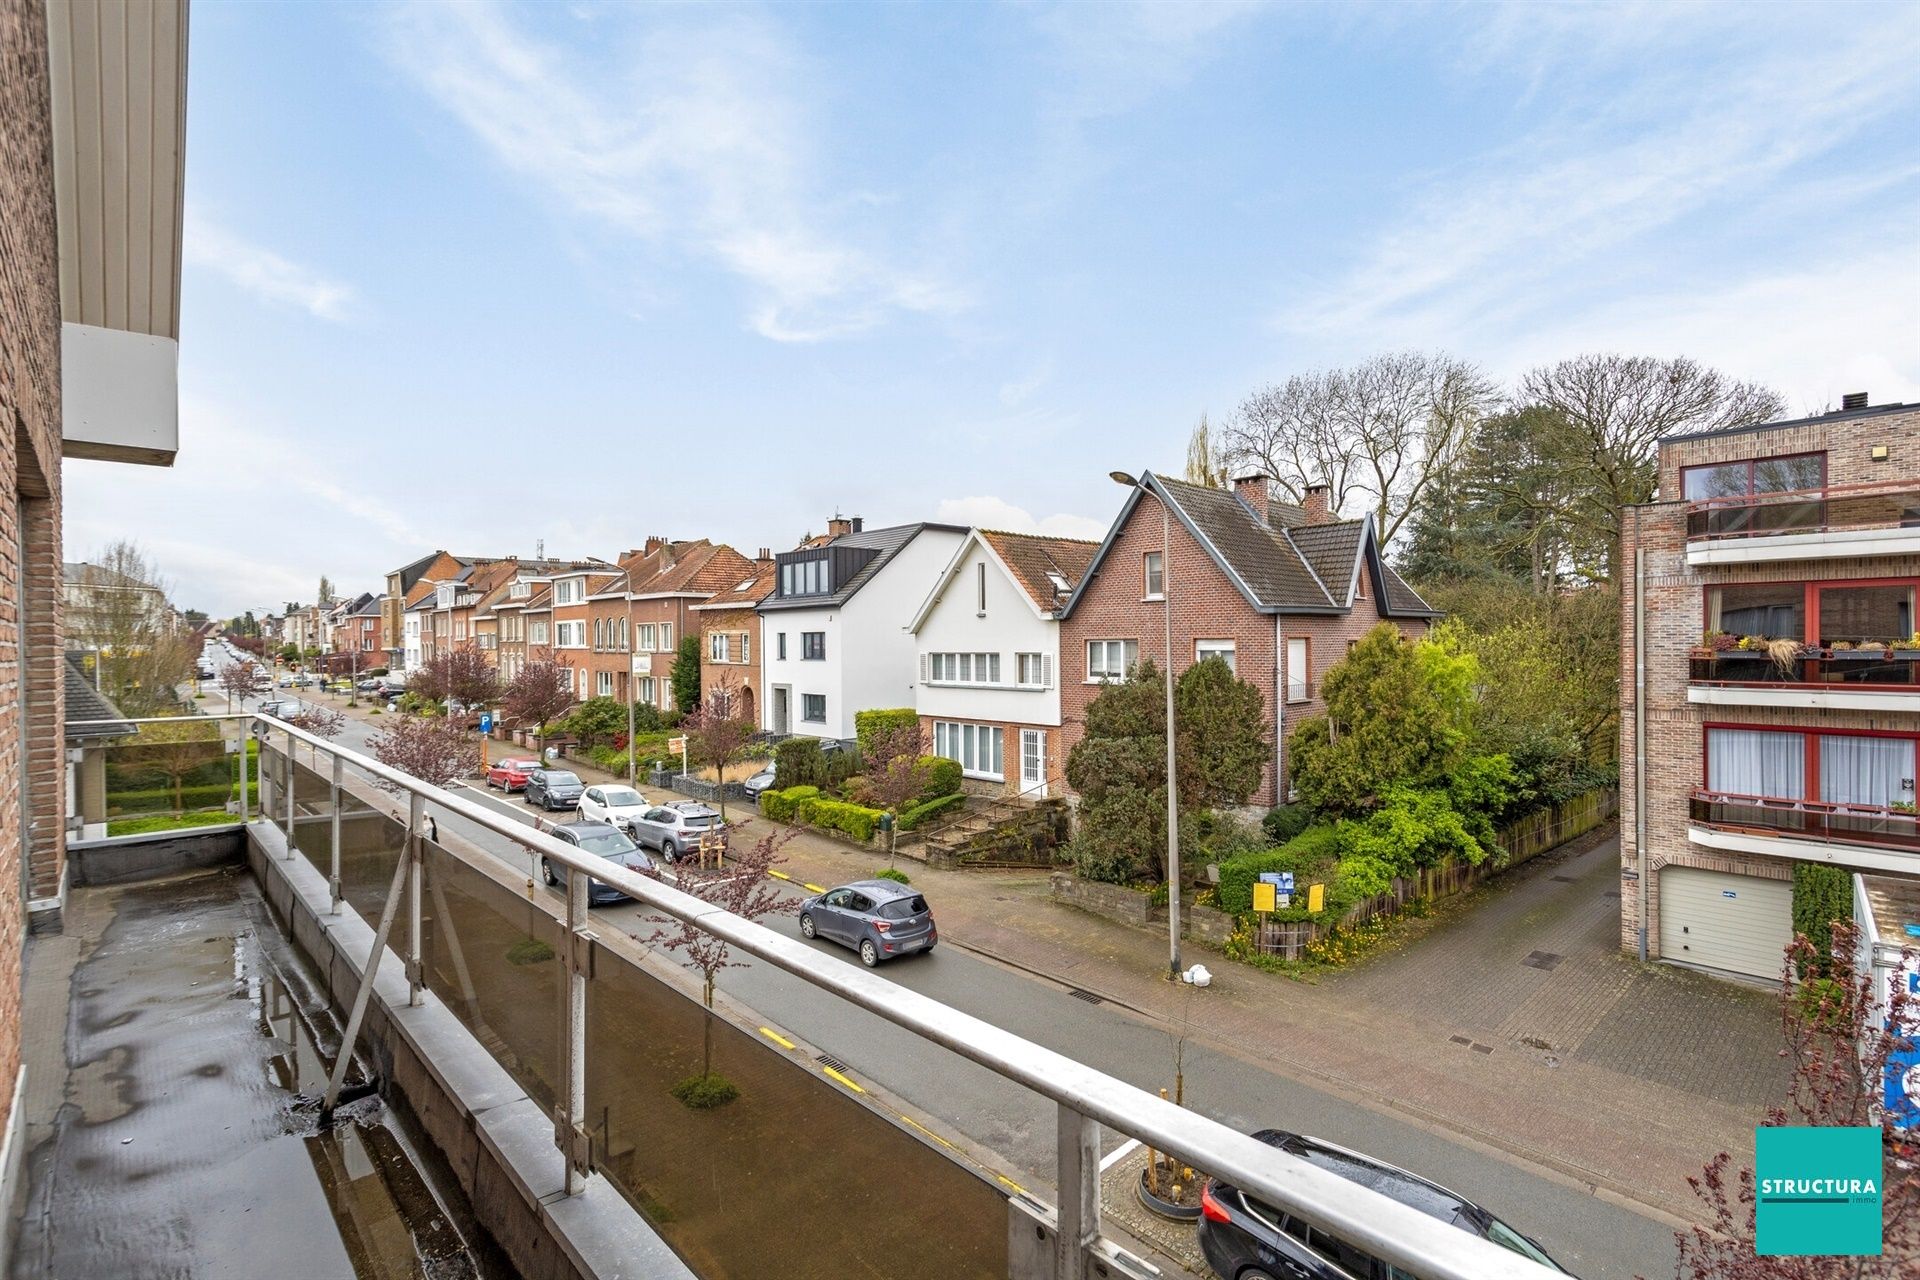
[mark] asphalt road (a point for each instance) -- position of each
(1592, 1236)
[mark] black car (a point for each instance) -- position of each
(554, 789)
(1246, 1239)
(606, 841)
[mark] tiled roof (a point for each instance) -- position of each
(886, 541)
(745, 593)
(1401, 598)
(1262, 558)
(1330, 551)
(1034, 559)
(84, 702)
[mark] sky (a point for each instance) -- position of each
(487, 277)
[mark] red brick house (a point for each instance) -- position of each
(729, 630)
(640, 615)
(1280, 592)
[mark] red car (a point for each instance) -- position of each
(511, 775)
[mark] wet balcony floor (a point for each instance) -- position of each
(168, 1135)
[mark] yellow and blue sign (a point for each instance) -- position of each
(1817, 1191)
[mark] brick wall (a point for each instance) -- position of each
(1676, 621)
(30, 596)
(743, 675)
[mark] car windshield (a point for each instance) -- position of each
(562, 780)
(1505, 1236)
(623, 796)
(901, 908)
(608, 844)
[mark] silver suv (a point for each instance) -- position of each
(675, 829)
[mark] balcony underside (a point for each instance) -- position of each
(1798, 848)
(1828, 544)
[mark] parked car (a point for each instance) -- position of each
(759, 783)
(675, 829)
(280, 707)
(881, 919)
(610, 802)
(510, 775)
(285, 681)
(1244, 1238)
(608, 842)
(371, 684)
(305, 680)
(553, 788)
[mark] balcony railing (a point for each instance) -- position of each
(1813, 666)
(1882, 826)
(1837, 507)
(314, 790)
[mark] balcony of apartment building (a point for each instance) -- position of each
(311, 1014)
(1827, 645)
(1768, 510)
(1844, 797)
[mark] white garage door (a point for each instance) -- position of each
(1725, 921)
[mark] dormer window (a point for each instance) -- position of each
(567, 591)
(520, 591)
(804, 578)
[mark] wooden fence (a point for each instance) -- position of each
(1519, 841)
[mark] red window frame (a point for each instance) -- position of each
(1810, 758)
(1810, 597)
(1750, 463)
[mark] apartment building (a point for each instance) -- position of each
(1278, 592)
(403, 591)
(1768, 664)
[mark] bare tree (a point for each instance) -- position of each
(746, 890)
(177, 749)
(539, 692)
(716, 731)
(463, 674)
(1617, 408)
(322, 722)
(1204, 464)
(895, 772)
(119, 610)
(431, 748)
(244, 679)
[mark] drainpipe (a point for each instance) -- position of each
(1640, 726)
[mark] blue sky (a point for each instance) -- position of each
(470, 276)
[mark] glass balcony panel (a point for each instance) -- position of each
(1862, 615)
(173, 775)
(1893, 828)
(1758, 609)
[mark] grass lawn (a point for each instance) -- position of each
(168, 822)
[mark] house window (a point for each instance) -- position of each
(570, 635)
(803, 578)
(745, 656)
(519, 591)
(780, 646)
(1111, 659)
(1787, 474)
(666, 636)
(538, 633)
(813, 646)
(1035, 670)
(976, 746)
(813, 708)
(583, 682)
(1299, 669)
(645, 632)
(1221, 649)
(717, 646)
(1858, 615)
(1153, 576)
(567, 591)
(603, 683)
(646, 690)
(980, 573)
(620, 634)
(1758, 609)
(964, 668)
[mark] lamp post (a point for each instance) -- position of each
(1173, 797)
(632, 753)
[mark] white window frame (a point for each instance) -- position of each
(567, 591)
(603, 684)
(537, 633)
(1204, 649)
(1099, 671)
(717, 646)
(570, 635)
(666, 637)
(1153, 564)
(978, 748)
(646, 632)
(1033, 670)
(1299, 673)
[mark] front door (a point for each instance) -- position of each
(781, 696)
(1033, 763)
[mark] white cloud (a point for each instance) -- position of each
(262, 272)
(697, 141)
(986, 512)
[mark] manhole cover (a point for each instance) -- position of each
(828, 1060)
(1482, 1048)
(1088, 996)
(1542, 959)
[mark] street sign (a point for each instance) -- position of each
(1282, 883)
(677, 744)
(486, 722)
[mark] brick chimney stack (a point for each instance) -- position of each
(839, 527)
(1253, 489)
(1315, 504)
(654, 544)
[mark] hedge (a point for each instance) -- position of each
(798, 761)
(913, 817)
(780, 805)
(161, 799)
(1821, 895)
(868, 723)
(943, 777)
(1312, 850)
(856, 820)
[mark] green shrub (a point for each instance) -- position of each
(782, 806)
(1418, 827)
(703, 1093)
(529, 951)
(168, 822)
(841, 766)
(1821, 895)
(874, 721)
(1284, 822)
(855, 820)
(798, 762)
(898, 877)
(912, 818)
(943, 777)
(1313, 851)
(161, 799)
(597, 721)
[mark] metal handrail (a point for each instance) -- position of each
(1391, 1231)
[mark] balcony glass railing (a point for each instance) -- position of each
(1813, 667)
(1884, 826)
(163, 775)
(1836, 507)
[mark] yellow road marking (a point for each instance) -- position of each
(930, 1133)
(1010, 1182)
(843, 1079)
(779, 875)
(814, 888)
(776, 1037)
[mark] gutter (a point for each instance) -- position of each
(1640, 730)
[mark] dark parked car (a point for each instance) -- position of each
(759, 782)
(676, 829)
(553, 788)
(1245, 1239)
(880, 919)
(608, 842)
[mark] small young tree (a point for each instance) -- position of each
(895, 774)
(686, 674)
(431, 748)
(539, 692)
(745, 889)
(322, 722)
(1223, 730)
(716, 731)
(1840, 1039)
(243, 679)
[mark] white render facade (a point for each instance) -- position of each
(410, 642)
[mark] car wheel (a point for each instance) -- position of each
(869, 954)
(670, 851)
(806, 926)
(1253, 1273)
(547, 871)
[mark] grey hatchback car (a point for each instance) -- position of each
(604, 840)
(881, 919)
(553, 789)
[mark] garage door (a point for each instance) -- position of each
(1724, 921)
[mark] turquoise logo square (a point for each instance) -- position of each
(1817, 1191)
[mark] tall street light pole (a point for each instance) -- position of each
(632, 753)
(1173, 797)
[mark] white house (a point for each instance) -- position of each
(834, 636)
(988, 646)
(410, 660)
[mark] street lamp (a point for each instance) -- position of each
(632, 751)
(1173, 798)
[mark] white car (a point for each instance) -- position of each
(616, 803)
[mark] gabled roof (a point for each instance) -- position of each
(1030, 561)
(746, 593)
(84, 702)
(887, 542)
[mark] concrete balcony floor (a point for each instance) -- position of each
(170, 1029)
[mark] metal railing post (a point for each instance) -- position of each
(416, 858)
(365, 992)
(333, 872)
(246, 749)
(289, 790)
(570, 1114)
(1077, 1179)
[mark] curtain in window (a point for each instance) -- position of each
(1866, 770)
(1751, 762)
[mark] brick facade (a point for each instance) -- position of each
(1676, 619)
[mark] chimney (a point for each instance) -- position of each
(654, 544)
(1315, 505)
(858, 524)
(839, 527)
(765, 556)
(1252, 489)
(1853, 400)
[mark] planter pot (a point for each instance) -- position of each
(1165, 1208)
